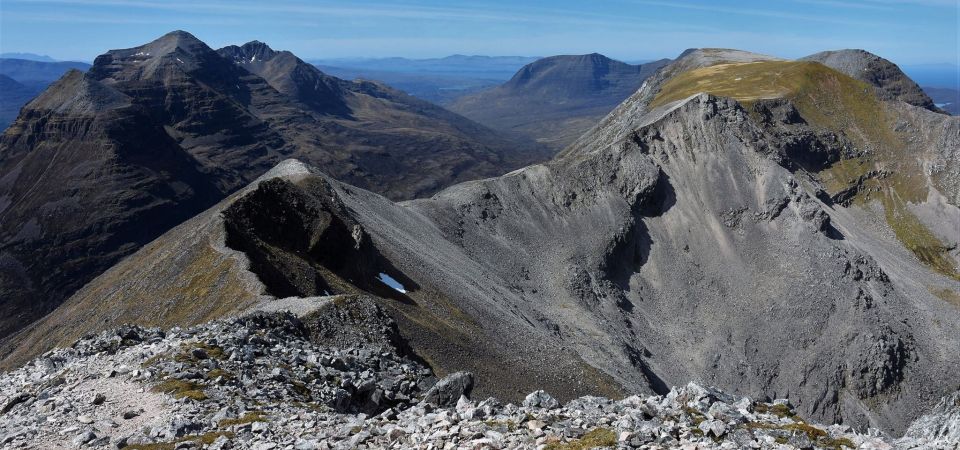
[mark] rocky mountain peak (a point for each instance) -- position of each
(890, 81)
(174, 52)
(248, 53)
(180, 43)
(291, 76)
(177, 39)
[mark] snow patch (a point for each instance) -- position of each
(389, 281)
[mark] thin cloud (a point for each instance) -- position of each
(847, 4)
(760, 13)
(282, 11)
(113, 19)
(952, 4)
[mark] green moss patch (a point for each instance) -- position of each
(598, 437)
(696, 417)
(817, 435)
(186, 352)
(219, 373)
(777, 410)
(181, 389)
(249, 417)
(502, 425)
(202, 439)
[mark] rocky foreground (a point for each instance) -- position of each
(270, 381)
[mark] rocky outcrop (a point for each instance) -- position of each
(260, 381)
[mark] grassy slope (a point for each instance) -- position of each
(833, 101)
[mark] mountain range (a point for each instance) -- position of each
(554, 100)
(105, 161)
(775, 228)
(27, 56)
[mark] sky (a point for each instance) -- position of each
(905, 31)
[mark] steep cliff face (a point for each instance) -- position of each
(105, 161)
(696, 247)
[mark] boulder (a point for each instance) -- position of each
(448, 391)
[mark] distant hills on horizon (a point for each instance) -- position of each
(503, 67)
(444, 81)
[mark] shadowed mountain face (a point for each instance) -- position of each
(556, 99)
(103, 162)
(776, 239)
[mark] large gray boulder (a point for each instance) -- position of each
(449, 390)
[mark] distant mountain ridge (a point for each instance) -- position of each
(27, 56)
(556, 99)
(27, 71)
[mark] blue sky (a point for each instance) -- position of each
(905, 31)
